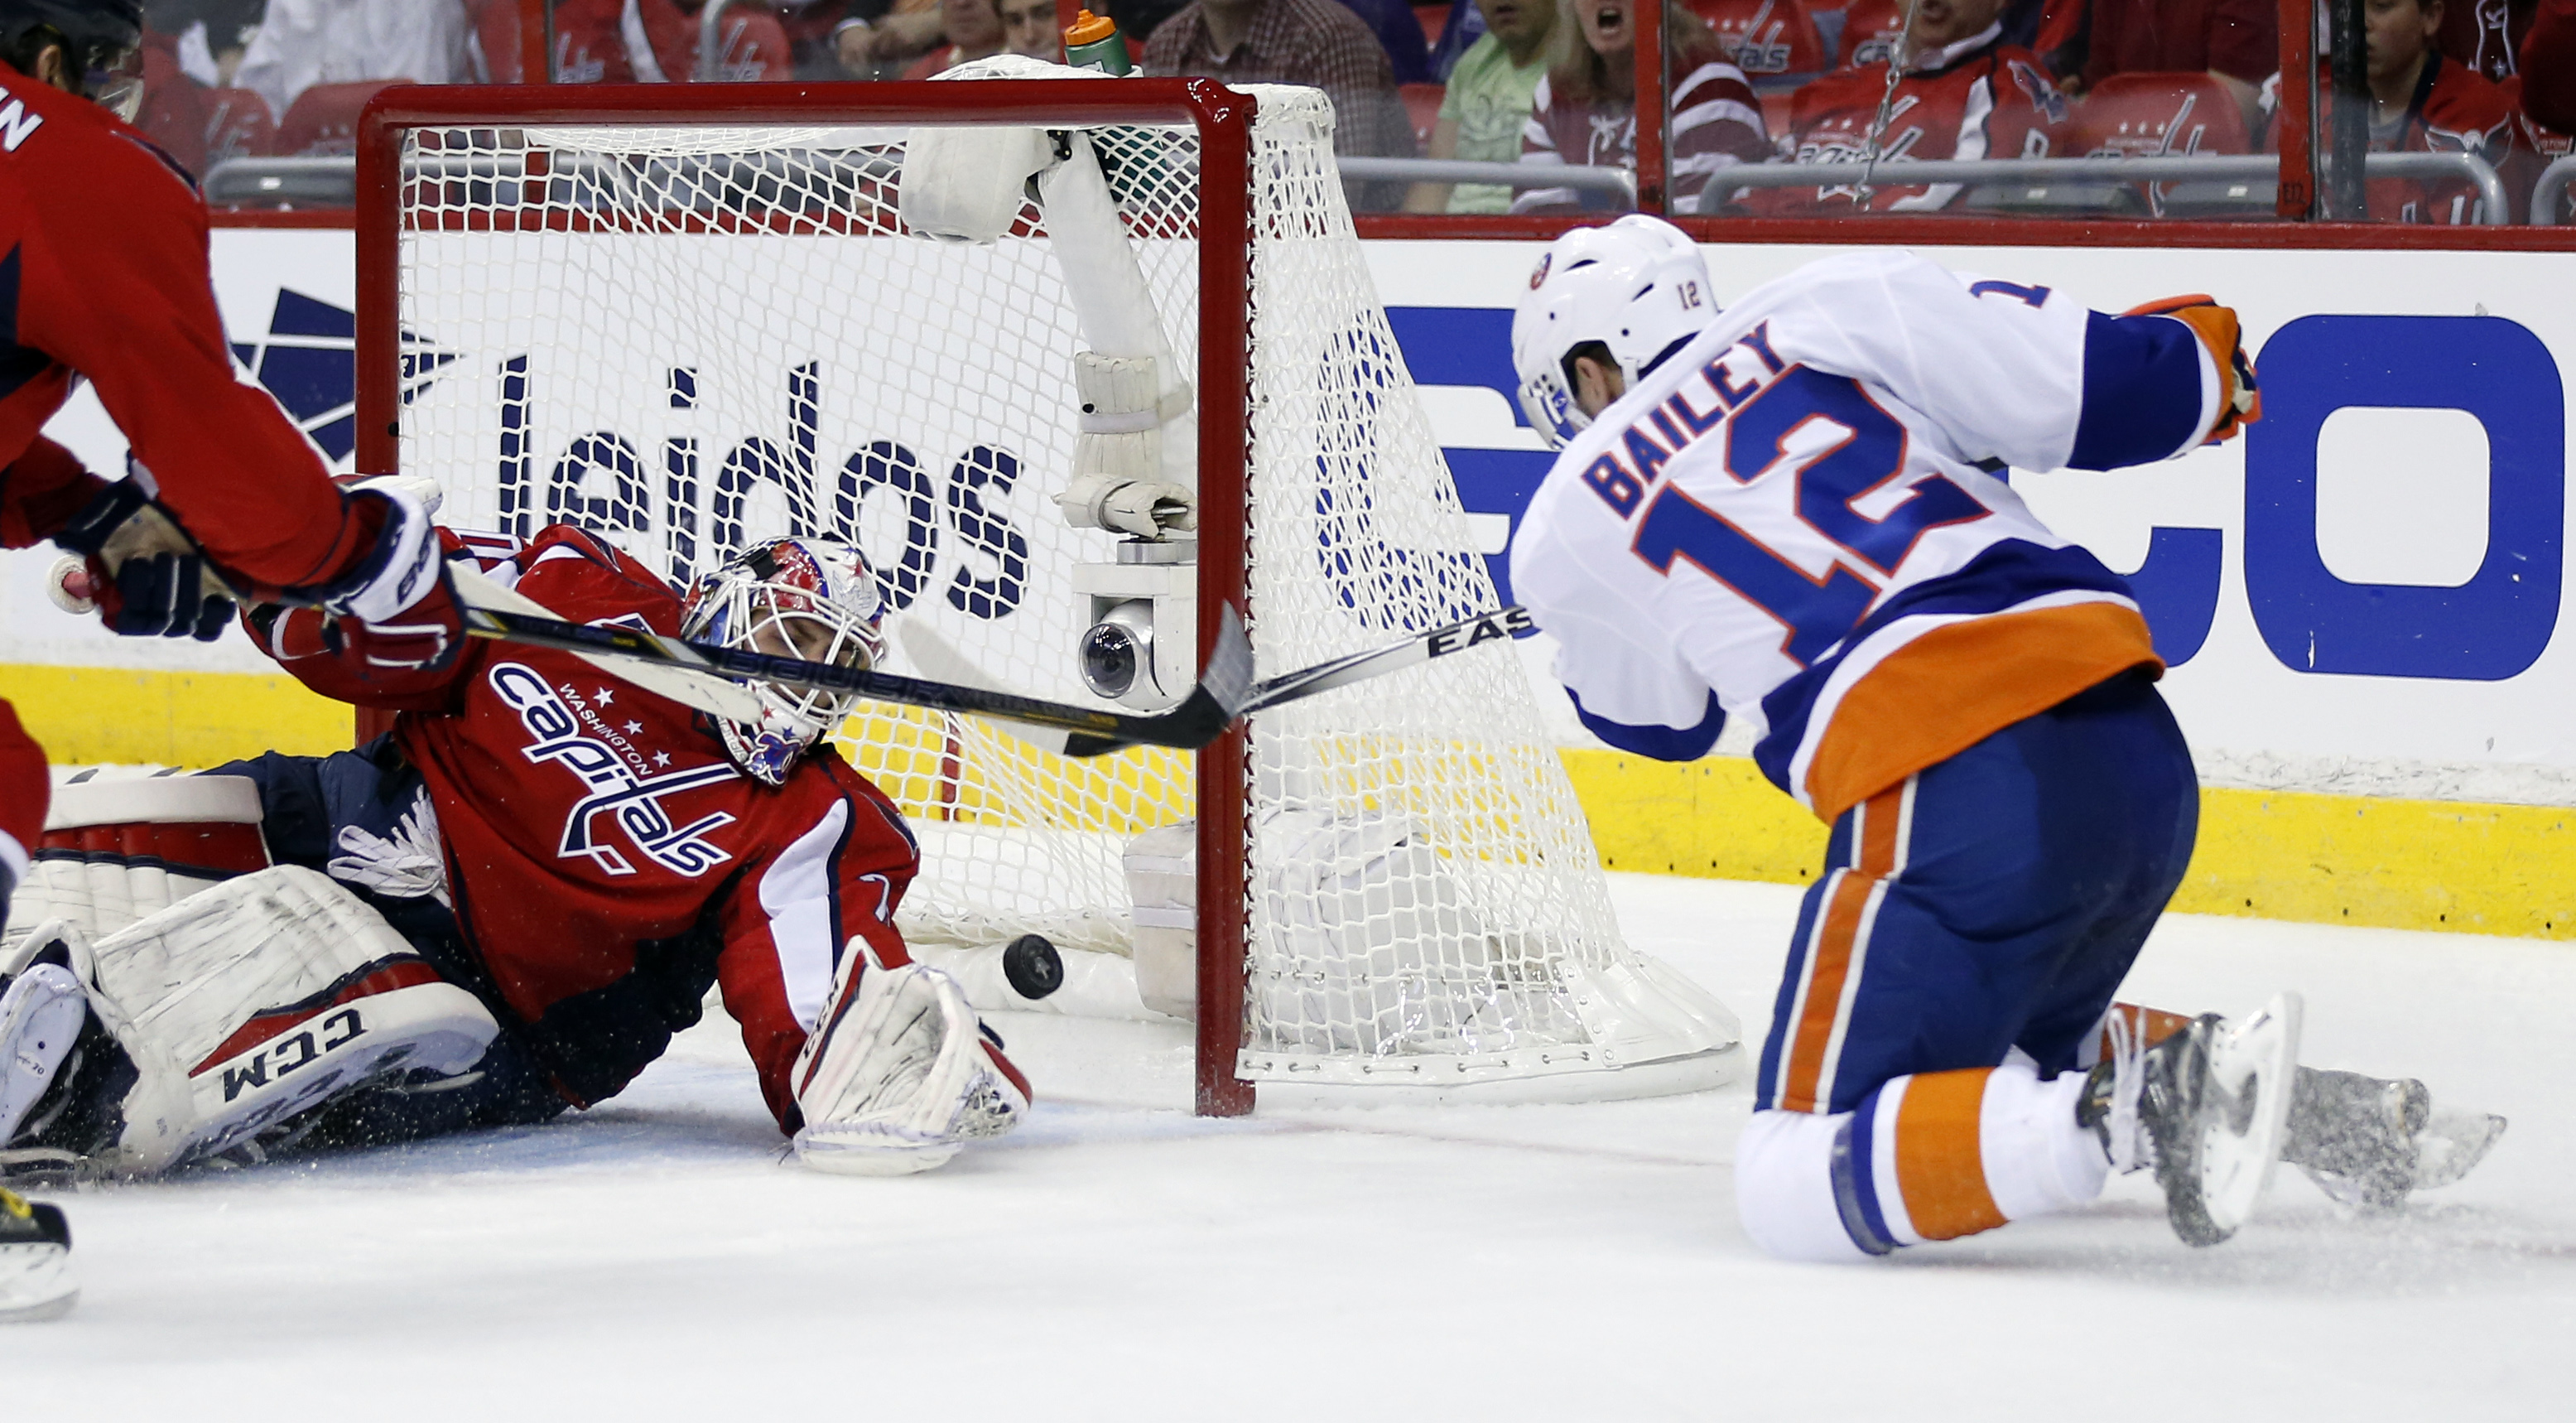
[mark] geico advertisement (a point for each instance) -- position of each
(2361, 595)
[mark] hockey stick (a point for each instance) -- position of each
(1501, 624)
(731, 700)
(941, 658)
(1201, 717)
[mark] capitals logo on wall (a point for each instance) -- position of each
(309, 361)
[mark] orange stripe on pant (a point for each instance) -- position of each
(1940, 1159)
(1879, 820)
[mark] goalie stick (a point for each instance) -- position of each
(1201, 717)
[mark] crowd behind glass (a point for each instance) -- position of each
(1532, 82)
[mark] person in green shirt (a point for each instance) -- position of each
(1489, 100)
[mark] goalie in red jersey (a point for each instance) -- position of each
(513, 901)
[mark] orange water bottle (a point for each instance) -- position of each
(1093, 42)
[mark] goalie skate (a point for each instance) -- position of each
(2206, 1109)
(35, 1262)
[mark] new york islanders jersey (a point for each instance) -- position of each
(606, 861)
(1790, 520)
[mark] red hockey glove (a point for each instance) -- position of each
(145, 576)
(2240, 400)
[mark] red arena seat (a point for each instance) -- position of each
(1870, 30)
(1433, 19)
(2139, 114)
(1767, 39)
(238, 125)
(323, 120)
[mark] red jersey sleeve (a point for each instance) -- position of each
(105, 273)
(843, 861)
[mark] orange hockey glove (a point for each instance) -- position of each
(2240, 400)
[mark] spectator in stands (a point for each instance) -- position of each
(1584, 112)
(1029, 27)
(2486, 35)
(1489, 98)
(1458, 33)
(874, 38)
(2421, 102)
(596, 42)
(973, 29)
(1961, 92)
(302, 43)
(2548, 66)
(207, 36)
(1399, 33)
(1314, 42)
(2238, 41)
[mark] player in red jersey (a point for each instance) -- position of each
(103, 277)
(1961, 93)
(546, 869)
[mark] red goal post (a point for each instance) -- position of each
(1222, 118)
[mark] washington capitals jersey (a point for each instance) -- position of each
(1790, 520)
(104, 276)
(605, 860)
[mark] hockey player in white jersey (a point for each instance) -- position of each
(1791, 512)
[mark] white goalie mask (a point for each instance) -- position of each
(809, 598)
(1636, 286)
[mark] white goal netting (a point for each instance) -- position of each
(686, 337)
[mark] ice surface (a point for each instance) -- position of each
(1120, 1259)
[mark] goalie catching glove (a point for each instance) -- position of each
(900, 1073)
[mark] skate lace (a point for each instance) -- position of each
(2129, 1147)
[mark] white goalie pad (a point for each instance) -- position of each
(900, 1075)
(247, 1005)
(116, 851)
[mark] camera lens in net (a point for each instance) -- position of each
(1111, 654)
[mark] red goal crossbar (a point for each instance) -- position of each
(1223, 120)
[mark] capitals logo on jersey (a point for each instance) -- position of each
(569, 731)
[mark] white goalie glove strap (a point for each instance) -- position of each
(898, 1076)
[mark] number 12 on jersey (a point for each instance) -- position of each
(1817, 612)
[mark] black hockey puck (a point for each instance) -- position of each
(1033, 966)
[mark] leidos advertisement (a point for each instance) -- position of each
(2362, 595)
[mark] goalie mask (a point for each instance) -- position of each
(809, 598)
(1638, 287)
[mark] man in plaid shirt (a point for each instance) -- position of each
(1319, 43)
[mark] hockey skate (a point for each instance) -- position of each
(35, 1261)
(2206, 1109)
(2369, 1142)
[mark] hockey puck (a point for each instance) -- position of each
(1033, 966)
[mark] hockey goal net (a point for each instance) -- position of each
(687, 317)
